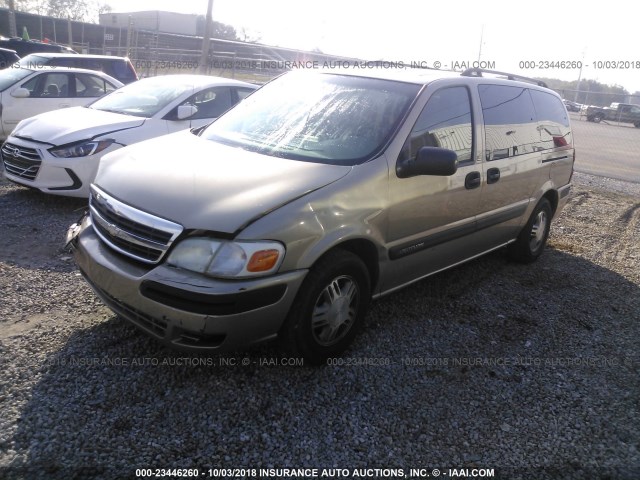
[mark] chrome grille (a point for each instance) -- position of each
(130, 231)
(22, 162)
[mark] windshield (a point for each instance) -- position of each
(143, 98)
(335, 119)
(10, 76)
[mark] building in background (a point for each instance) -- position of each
(157, 21)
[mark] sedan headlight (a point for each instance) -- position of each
(226, 259)
(81, 149)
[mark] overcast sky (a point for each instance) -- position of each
(445, 31)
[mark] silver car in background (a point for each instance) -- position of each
(318, 192)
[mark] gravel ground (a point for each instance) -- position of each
(528, 370)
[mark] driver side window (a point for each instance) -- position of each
(445, 122)
(48, 85)
(210, 103)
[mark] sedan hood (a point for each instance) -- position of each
(202, 184)
(68, 125)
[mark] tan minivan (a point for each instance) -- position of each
(318, 192)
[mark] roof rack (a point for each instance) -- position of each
(477, 72)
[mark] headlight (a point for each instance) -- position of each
(81, 149)
(227, 259)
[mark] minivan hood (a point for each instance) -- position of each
(68, 125)
(202, 184)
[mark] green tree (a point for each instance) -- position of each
(591, 92)
(224, 31)
(80, 10)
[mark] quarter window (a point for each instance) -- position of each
(445, 122)
(553, 122)
(243, 92)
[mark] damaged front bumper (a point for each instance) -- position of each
(181, 308)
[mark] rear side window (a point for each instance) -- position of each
(510, 121)
(553, 122)
(91, 85)
(123, 71)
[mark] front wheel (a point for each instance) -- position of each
(637, 124)
(329, 309)
(597, 117)
(532, 239)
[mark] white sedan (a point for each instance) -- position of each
(25, 92)
(59, 152)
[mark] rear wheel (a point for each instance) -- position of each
(533, 237)
(597, 117)
(329, 309)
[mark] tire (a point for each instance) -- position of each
(636, 124)
(532, 239)
(597, 117)
(329, 308)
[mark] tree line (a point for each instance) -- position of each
(591, 92)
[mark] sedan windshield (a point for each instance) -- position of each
(10, 76)
(324, 118)
(143, 98)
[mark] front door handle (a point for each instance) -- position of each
(472, 180)
(493, 175)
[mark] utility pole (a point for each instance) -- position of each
(481, 37)
(206, 39)
(13, 29)
(575, 97)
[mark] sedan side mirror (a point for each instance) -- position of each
(186, 111)
(21, 93)
(429, 161)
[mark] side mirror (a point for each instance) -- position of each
(186, 111)
(20, 93)
(429, 161)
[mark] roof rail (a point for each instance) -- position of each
(477, 72)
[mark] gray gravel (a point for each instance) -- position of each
(529, 370)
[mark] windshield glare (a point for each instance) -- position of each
(143, 98)
(10, 76)
(324, 118)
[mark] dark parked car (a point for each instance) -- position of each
(8, 57)
(572, 106)
(119, 68)
(25, 47)
(616, 112)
